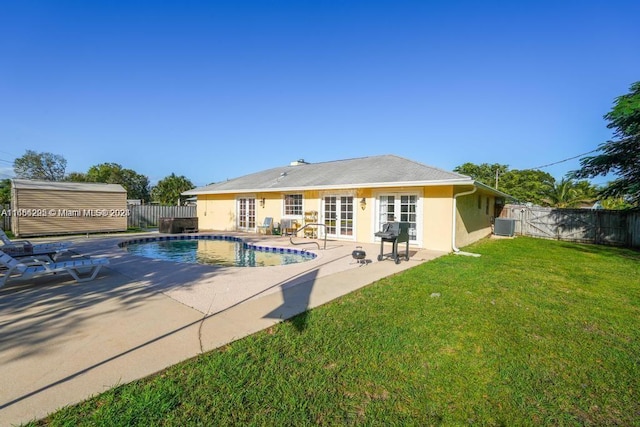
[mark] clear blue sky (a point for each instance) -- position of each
(218, 89)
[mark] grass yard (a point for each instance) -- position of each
(534, 332)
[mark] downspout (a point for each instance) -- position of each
(457, 251)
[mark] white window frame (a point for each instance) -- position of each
(286, 214)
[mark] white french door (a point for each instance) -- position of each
(246, 213)
(338, 216)
(401, 208)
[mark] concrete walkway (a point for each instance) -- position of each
(62, 342)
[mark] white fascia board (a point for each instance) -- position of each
(430, 183)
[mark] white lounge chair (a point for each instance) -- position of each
(37, 248)
(28, 268)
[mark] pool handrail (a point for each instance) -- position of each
(295, 233)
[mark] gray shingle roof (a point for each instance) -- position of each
(374, 171)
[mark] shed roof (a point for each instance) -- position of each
(27, 184)
(374, 171)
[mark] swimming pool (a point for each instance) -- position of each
(214, 250)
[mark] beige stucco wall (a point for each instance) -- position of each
(474, 223)
(364, 218)
(437, 218)
(218, 212)
(272, 207)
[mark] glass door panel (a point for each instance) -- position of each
(387, 210)
(346, 216)
(408, 213)
(330, 215)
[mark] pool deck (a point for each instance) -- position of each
(62, 342)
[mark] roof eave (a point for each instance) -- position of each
(430, 183)
(492, 190)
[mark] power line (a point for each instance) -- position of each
(566, 160)
(547, 165)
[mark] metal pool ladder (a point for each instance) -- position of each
(295, 233)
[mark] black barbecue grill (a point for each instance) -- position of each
(394, 232)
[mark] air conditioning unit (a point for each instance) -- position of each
(504, 227)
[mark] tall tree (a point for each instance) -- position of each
(40, 166)
(169, 189)
(137, 185)
(76, 177)
(620, 156)
(523, 185)
(485, 173)
(527, 186)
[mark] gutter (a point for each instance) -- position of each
(457, 251)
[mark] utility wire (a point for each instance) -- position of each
(565, 160)
(547, 165)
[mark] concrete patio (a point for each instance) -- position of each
(62, 342)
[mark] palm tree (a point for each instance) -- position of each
(569, 194)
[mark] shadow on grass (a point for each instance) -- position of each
(603, 250)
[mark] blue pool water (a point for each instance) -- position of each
(214, 250)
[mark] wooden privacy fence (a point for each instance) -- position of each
(599, 226)
(145, 216)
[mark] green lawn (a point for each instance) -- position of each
(533, 332)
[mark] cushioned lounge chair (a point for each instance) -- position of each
(30, 267)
